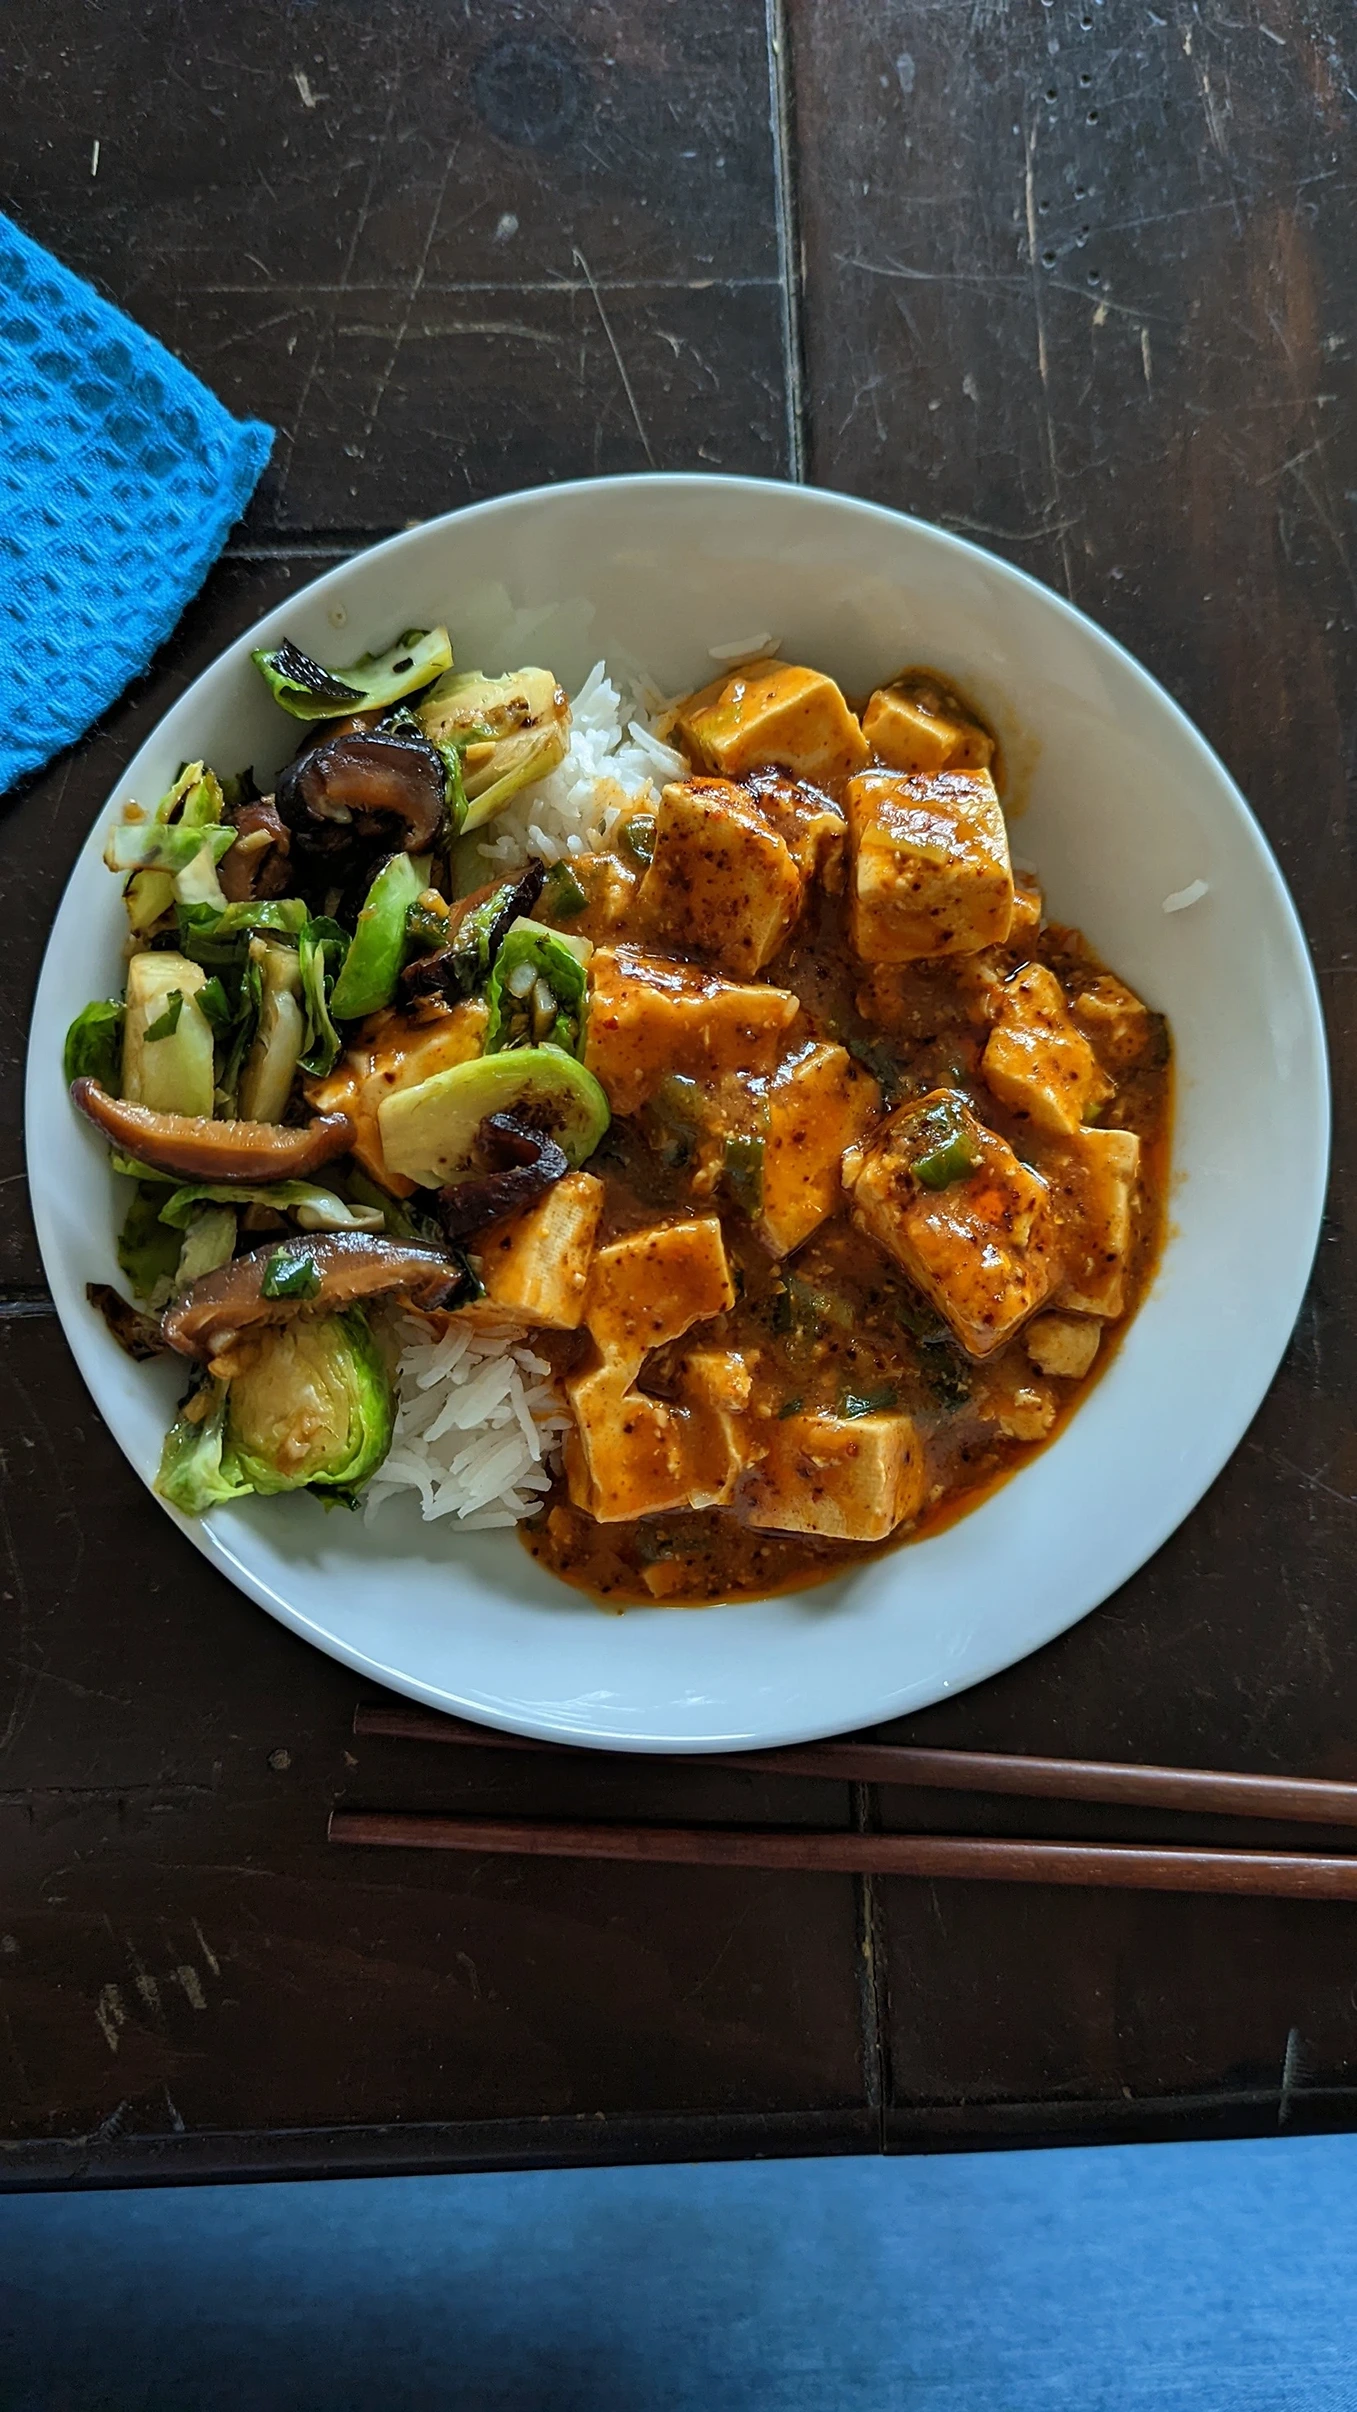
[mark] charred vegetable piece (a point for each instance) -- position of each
(198, 1149)
(505, 731)
(348, 1268)
(429, 1132)
(94, 1043)
(526, 1163)
(140, 1335)
(310, 692)
(385, 785)
(538, 991)
(463, 965)
(372, 966)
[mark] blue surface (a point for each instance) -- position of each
(1187, 2278)
(120, 476)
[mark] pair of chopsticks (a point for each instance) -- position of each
(1274, 1875)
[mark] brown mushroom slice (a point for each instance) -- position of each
(367, 775)
(197, 1148)
(526, 1164)
(341, 1269)
(257, 864)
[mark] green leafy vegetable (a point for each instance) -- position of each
(213, 1002)
(310, 692)
(562, 895)
(537, 993)
(743, 1156)
(321, 948)
(291, 1272)
(503, 733)
(313, 1208)
(209, 1240)
(373, 963)
(211, 935)
(147, 1250)
(192, 1475)
(638, 836)
(165, 1024)
(94, 1044)
(149, 845)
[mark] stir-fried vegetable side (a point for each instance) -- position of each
(821, 1168)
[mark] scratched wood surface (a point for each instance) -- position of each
(1072, 279)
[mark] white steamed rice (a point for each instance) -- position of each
(480, 1422)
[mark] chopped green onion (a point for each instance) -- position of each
(165, 1024)
(868, 1402)
(638, 836)
(291, 1272)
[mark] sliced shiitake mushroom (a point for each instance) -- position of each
(526, 1164)
(370, 783)
(197, 1148)
(307, 1275)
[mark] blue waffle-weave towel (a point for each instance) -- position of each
(120, 476)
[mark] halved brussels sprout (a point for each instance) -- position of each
(538, 991)
(505, 731)
(310, 692)
(312, 1410)
(430, 1131)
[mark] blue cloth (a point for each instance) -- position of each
(119, 477)
(1163, 2278)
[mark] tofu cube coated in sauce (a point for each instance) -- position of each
(839, 1477)
(536, 1264)
(819, 1103)
(649, 1016)
(1036, 1061)
(930, 866)
(631, 1455)
(396, 1050)
(951, 1203)
(1063, 1345)
(722, 883)
(1093, 1177)
(914, 724)
(770, 713)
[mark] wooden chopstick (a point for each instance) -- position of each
(1276, 1875)
(1206, 1790)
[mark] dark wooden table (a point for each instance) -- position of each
(1073, 279)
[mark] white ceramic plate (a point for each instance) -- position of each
(1126, 805)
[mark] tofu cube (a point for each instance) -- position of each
(1113, 1017)
(841, 1478)
(722, 883)
(809, 822)
(536, 1264)
(631, 1455)
(972, 1227)
(819, 1103)
(1019, 1408)
(1093, 1186)
(398, 1051)
(930, 868)
(770, 714)
(1036, 1061)
(627, 1455)
(917, 724)
(1063, 1345)
(652, 1286)
(649, 1017)
(1028, 908)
